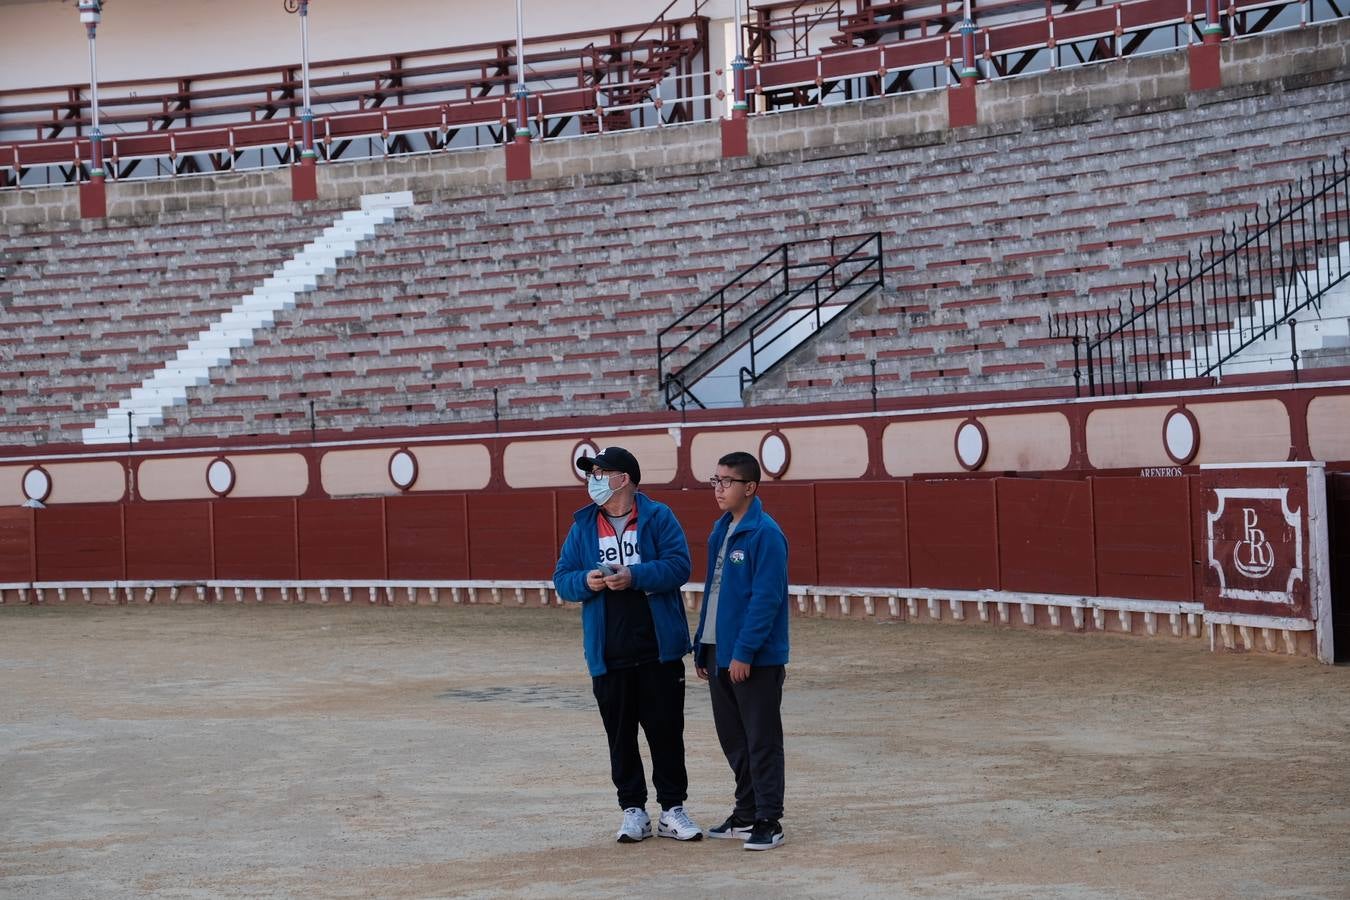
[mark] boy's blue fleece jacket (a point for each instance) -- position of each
(663, 571)
(752, 606)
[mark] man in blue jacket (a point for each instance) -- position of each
(625, 560)
(741, 649)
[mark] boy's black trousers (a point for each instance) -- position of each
(650, 696)
(749, 724)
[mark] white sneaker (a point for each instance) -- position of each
(675, 823)
(637, 826)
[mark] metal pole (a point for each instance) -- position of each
(1293, 346)
(1213, 31)
(91, 13)
(739, 107)
(307, 115)
(522, 94)
(969, 73)
(874, 384)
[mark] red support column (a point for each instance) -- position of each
(1204, 58)
(961, 111)
(518, 149)
(93, 198)
(305, 180)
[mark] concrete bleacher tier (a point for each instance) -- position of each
(553, 293)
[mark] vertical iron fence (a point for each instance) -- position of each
(1233, 292)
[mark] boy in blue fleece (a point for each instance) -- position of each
(625, 560)
(741, 649)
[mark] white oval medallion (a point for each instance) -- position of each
(220, 477)
(37, 484)
(972, 444)
(403, 469)
(1181, 436)
(774, 454)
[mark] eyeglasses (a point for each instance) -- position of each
(726, 481)
(599, 475)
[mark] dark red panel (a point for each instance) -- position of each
(169, 540)
(342, 538)
(16, 544)
(793, 508)
(79, 542)
(255, 539)
(860, 534)
(697, 511)
(1143, 534)
(850, 62)
(1045, 536)
(427, 538)
(953, 541)
(514, 536)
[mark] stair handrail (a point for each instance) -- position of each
(1166, 310)
(719, 296)
(750, 374)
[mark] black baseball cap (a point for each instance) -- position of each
(615, 459)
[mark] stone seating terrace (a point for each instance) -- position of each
(553, 293)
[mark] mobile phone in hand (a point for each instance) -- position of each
(606, 569)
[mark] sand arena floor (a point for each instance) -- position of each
(228, 751)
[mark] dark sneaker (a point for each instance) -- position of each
(766, 835)
(732, 828)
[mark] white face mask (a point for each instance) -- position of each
(600, 491)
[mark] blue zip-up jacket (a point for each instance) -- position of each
(752, 606)
(663, 571)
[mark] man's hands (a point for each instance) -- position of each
(701, 672)
(620, 580)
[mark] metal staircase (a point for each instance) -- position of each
(711, 354)
(1238, 304)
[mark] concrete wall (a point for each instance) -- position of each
(1254, 64)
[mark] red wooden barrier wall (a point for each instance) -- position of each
(79, 542)
(255, 539)
(953, 534)
(1121, 537)
(16, 544)
(1045, 536)
(1146, 537)
(427, 537)
(168, 540)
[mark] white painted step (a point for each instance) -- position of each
(167, 386)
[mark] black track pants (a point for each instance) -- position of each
(749, 724)
(651, 696)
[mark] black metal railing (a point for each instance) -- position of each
(688, 347)
(772, 339)
(1235, 291)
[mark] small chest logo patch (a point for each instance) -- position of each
(737, 557)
